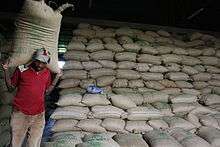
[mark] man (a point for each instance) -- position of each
(32, 82)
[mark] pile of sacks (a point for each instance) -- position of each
(158, 86)
(5, 112)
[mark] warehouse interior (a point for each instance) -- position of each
(135, 73)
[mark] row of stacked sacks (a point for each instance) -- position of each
(176, 137)
(132, 113)
(134, 65)
(5, 112)
(153, 82)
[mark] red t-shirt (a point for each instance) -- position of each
(31, 87)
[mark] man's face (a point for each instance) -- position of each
(38, 65)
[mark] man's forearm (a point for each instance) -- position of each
(53, 84)
(8, 80)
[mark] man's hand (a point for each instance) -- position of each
(5, 65)
(59, 74)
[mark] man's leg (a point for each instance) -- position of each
(19, 126)
(35, 132)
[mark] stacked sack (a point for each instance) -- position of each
(154, 83)
(5, 112)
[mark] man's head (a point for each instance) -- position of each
(40, 59)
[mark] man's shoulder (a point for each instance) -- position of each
(22, 68)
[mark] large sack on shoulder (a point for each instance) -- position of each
(130, 140)
(37, 26)
(137, 126)
(157, 138)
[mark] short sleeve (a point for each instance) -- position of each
(15, 77)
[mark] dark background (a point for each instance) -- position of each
(157, 12)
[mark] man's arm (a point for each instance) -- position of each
(7, 77)
(54, 82)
